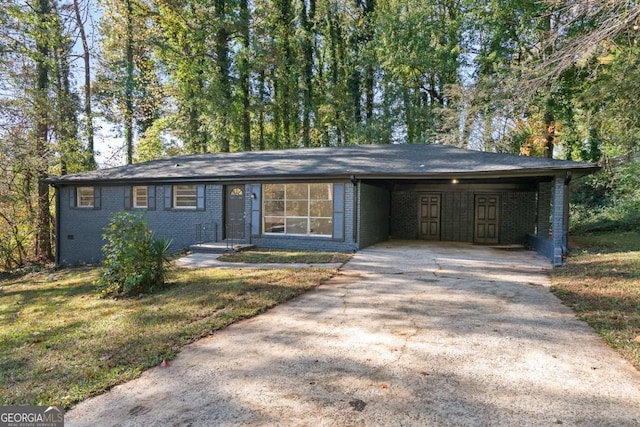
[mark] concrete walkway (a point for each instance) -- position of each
(408, 334)
(210, 260)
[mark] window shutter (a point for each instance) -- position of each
(73, 195)
(151, 197)
(255, 209)
(97, 199)
(200, 195)
(167, 196)
(127, 196)
(338, 211)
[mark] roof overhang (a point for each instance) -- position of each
(538, 174)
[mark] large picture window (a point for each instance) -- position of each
(298, 209)
(185, 196)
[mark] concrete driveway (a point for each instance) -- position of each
(408, 334)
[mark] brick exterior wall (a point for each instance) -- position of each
(374, 215)
(404, 215)
(544, 210)
(81, 229)
(517, 216)
(558, 226)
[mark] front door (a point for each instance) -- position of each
(487, 218)
(234, 215)
(430, 216)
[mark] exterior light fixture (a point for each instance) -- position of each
(254, 196)
(454, 181)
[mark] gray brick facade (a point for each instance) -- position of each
(404, 215)
(81, 229)
(544, 210)
(374, 215)
(370, 214)
(559, 224)
(518, 213)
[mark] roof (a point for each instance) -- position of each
(423, 161)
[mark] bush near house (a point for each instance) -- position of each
(135, 262)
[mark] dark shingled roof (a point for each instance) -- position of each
(428, 161)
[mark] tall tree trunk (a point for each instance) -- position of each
(550, 134)
(408, 111)
(285, 16)
(335, 37)
(549, 119)
(128, 111)
(66, 127)
(355, 92)
(307, 19)
(65, 124)
(387, 127)
(222, 53)
(369, 6)
(243, 65)
(277, 112)
(43, 216)
(262, 90)
(86, 57)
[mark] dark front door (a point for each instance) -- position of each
(234, 215)
(487, 218)
(430, 216)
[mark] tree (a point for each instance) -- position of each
(39, 121)
(127, 84)
(86, 58)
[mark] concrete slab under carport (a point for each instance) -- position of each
(408, 334)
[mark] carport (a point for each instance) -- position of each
(510, 209)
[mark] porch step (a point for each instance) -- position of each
(219, 247)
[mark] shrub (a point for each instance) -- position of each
(608, 200)
(135, 262)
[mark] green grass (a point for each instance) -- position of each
(60, 343)
(267, 256)
(601, 283)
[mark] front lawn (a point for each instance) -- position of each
(268, 256)
(601, 283)
(60, 343)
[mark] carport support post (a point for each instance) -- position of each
(559, 219)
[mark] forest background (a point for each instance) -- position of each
(541, 78)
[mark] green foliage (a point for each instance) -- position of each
(608, 200)
(135, 262)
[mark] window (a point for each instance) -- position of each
(84, 197)
(140, 197)
(298, 209)
(185, 196)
